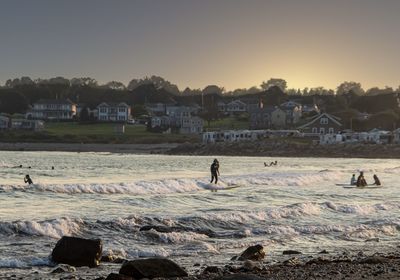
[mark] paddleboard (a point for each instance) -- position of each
(366, 187)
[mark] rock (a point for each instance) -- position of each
(239, 277)
(62, 268)
(254, 253)
(291, 252)
(212, 270)
(152, 268)
(324, 252)
(319, 260)
(251, 265)
(372, 260)
(292, 262)
(78, 251)
(116, 276)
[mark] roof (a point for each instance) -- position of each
(331, 117)
(55, 101)
(113, 104)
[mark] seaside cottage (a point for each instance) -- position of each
(322, 124)
(52, 109)
(113, 112)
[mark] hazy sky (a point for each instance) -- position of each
(232, 43)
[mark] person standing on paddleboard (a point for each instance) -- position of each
(214, 171)
(28, 180)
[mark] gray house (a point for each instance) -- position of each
(4, 122)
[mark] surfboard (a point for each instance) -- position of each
(366, 187)
(216, 187)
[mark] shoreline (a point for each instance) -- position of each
(265, 148)
(75, 147)
(323, 265)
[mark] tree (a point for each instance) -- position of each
(377, 91)
(157, 81)
(115, 85)
(84, 115)
(346, 87)
(281, 83)
(212, 89)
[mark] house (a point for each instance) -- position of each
(160, 121)
(293, 112)
(4, 122)
(52, 109)
(113, 112)
(322, 124)
(267, 117)
(91, 112)
(23, 124)
(278, 118)
(310, 109)
(191, 125)
(236, 106)
(180, 118)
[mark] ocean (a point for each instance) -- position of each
(295, 205)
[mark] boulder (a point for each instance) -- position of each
(254, 253)
(152, 268)
(373, 260)
(116, 276)
(78, 251)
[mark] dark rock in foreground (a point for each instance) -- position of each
(78, 251)
(152, 268)
(116, 276)
(254, 253)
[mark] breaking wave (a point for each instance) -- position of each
(168, 186)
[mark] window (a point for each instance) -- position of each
(121, 109)
(331, 131)
(324, 121)
(314, 130)
(103, 110)
(321, 130)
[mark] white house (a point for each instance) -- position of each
(191, 125)
(114, 112)
(24, 124)
(52, 109)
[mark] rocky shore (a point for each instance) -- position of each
(283, 148)
(83, 259)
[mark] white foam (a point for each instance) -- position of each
(24, 262)
(55, 228)
(168, 186)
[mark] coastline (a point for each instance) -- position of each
(264, 148)
(88, 147)
(324, 265)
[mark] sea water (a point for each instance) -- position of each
(293, 205)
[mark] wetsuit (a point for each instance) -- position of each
(214, 172)
(28, 180)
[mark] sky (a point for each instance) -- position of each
(195, 43)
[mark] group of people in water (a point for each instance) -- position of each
(272, 163)
(361, 182)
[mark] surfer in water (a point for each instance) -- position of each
(28, 179)
(353, 180)
(376, 180)
(361, 180)
(214, 171)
